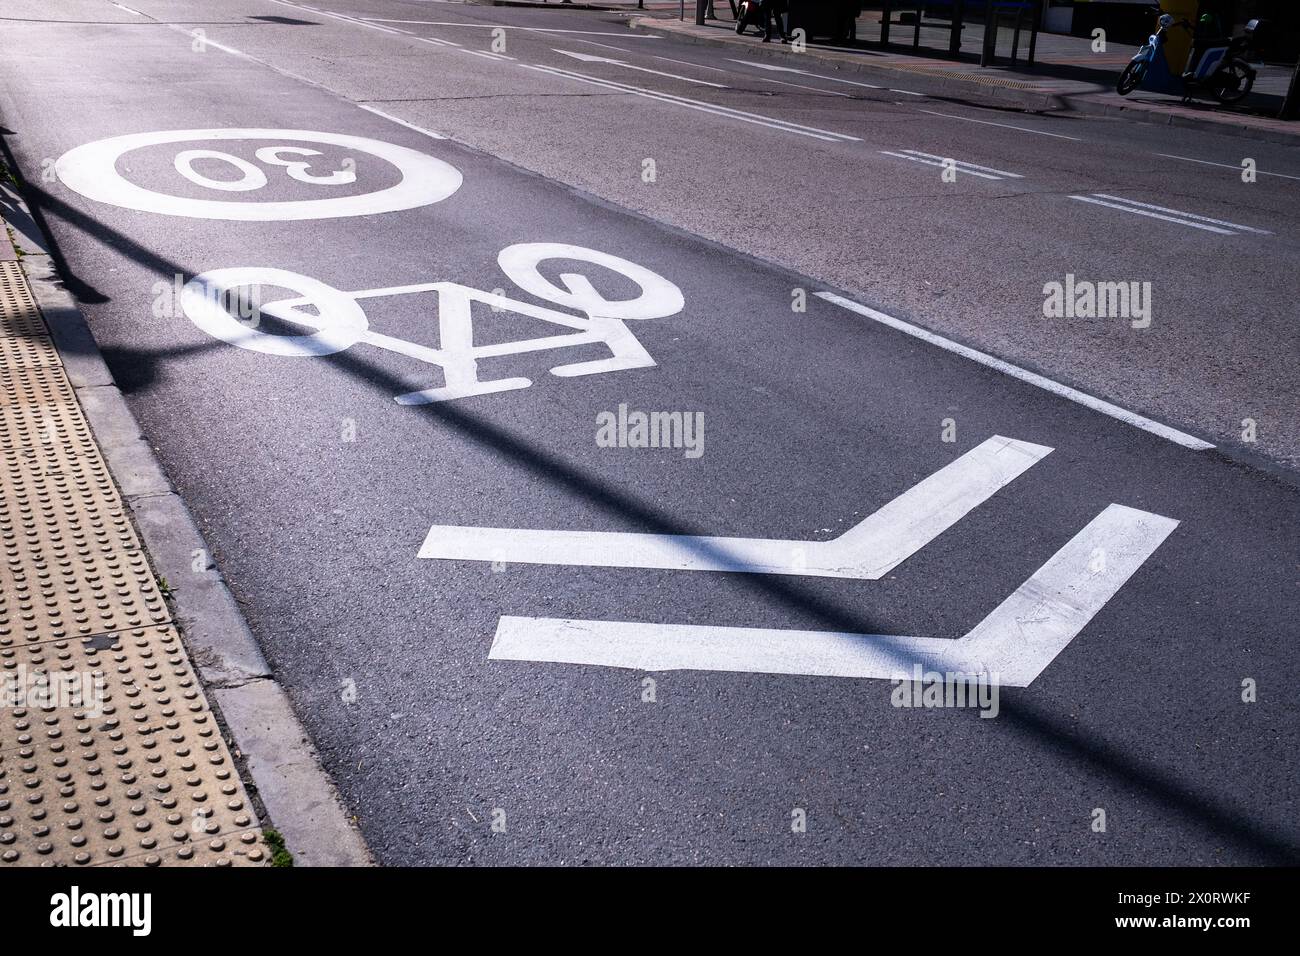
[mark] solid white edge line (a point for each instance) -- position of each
(1033, 378)
(1153, 215)
(401, 122)
(1206, 162)
(1023, 129)
(1185, 215)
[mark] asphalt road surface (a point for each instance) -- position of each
(726, 209)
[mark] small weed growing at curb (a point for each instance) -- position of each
(280, 855)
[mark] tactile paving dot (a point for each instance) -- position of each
(19, 315)
(141, 777)
(78, 506)
(35, 385)
(58, 428)
(27, 351)
(137, 775)
(72, 591)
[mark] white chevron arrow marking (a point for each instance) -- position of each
(868, 551)
(1010, 647)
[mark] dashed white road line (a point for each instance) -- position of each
(969, 169)
(757, 119)
(772, 68)
(437, 41)
(589, 58)
(344, 17)
(1237, 168)
(401, 122)
(1023, 129)
(1024, 375)
(1164, 213)
(512, 26)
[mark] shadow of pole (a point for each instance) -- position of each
(1269, 843)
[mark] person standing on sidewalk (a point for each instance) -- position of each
(774, 10)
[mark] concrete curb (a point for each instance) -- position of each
(297, 793)
(959, 89)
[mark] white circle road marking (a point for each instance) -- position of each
(656, 298)
(341, 321)
(92, 171)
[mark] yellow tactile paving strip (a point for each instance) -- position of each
(113, 756)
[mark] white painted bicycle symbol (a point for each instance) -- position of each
(339, 322)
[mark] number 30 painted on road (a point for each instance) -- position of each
(92, 171)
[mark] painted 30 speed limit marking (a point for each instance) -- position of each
(91, 170)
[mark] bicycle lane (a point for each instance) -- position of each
(318, 490)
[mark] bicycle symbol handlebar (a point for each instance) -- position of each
(340, 322)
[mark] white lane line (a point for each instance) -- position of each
(437, 41)
(1185, 215)
(1238, 168)
(772, 68)
(607, 46)
(724, 111)
(1152, 215)
(490, 56)
(127, 9)
(867, 551)
(930, 162)
(1023, 129)
(589, 58)
(908, 92)
(340, 16)
(698, 66)
(401, 122)
(1011, 647)
(511, 26)
(966, 165)
(1024, 375)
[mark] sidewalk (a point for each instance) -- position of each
(1067, 75)
(111, 752)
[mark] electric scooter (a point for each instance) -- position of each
(1222, 71)
(1140, 65)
